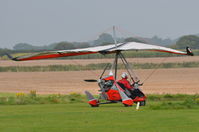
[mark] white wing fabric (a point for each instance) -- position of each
(141, 46)
(100, 49)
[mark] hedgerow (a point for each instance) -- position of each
(94, 67)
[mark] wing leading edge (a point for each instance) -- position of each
(100, 49)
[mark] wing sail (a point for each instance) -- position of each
(100, 49)
(61, 53)
(148, 47)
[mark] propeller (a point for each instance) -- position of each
(90, 80)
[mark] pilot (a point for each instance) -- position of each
(124, 81)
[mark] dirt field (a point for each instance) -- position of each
(89, 61)
(180, 80)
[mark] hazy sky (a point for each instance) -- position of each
(42, 22)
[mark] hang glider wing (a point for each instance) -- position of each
(100, 49)
(141, 46)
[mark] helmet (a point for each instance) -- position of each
(124, 75)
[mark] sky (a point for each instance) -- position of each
(43, 22)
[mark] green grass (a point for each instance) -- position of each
(79, 117)
(63, 113)
(33, 98)
(166, 101)
(7, 94)
(94, 67)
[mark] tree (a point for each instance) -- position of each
(82, 44)
(3, 51)
(191, 41)
(160, 41)
(64, 46)
(104, 39)
(23, 46)
(131, 39)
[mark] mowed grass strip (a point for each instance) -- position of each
(94, 67)
(80, 117)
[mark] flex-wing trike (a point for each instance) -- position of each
(113, 91)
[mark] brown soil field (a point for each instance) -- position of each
(94, 61)
(180, 80)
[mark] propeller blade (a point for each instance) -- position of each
(90, 80)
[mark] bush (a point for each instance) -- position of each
(74, 97)
(33, 94)
(32, 98)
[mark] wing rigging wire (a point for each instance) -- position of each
(95, 36)
(129, 69)
(155, 69)
(121, 30)
(92, 38)
(128, 66)
(130, 34)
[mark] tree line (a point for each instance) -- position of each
(104, 39)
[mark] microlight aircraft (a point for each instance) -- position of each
(110, 89)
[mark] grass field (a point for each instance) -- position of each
(159, 115)
(165, 113)
(79, 117)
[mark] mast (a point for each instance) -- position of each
(114, 36)
(117, 52)
(116, 63)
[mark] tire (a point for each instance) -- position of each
(142, 103)
(127, 105)
(94, 105)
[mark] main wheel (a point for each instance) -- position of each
(94, 105)
(127, 105)
(143, 103)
